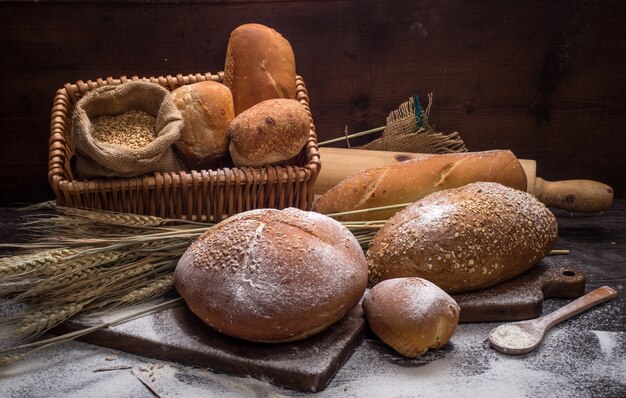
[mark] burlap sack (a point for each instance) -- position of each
(407, 130)
(100, 159)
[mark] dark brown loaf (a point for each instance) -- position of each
(270, 132)
(260, 65)
(207, 110)
(464, 238)
(411, 315)
(273, 275)
(414, 179)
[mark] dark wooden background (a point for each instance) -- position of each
(543, 78)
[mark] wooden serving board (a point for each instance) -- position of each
(177, 335)
(521, 297)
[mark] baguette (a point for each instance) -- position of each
(464, 239)
(414, 179)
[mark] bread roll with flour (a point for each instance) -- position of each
(207, 110)
(272, 275)
(411, 315)
(260, 65)
(465, 238)
(414, 179)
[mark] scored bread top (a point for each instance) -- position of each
(270, 275)
(414, 179)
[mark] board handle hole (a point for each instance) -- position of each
(569, 273)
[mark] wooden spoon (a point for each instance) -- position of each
(522, 337)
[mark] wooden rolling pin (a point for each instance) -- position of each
(585, 196)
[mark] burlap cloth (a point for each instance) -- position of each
(407, 130)
(100, 159)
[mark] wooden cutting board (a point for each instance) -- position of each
(521, 297)
(177, 335)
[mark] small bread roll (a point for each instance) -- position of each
(273, 275)
(464, 238)
(411, 315)
(207, 110)
(270, 132)
(260, 65)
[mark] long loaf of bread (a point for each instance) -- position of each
(260, 65)
(414, 179)
(464, 239)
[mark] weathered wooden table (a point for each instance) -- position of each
(583, 357)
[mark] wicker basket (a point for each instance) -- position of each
(205, 195)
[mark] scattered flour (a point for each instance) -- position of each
(572, 361)
(607, 341)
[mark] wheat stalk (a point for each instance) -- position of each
(113, 218)
(70, 272)
(22, 264)
(43, 320)
(368, 210)
(9, 359)
(153, 289)
(36, 346)
(98, 284)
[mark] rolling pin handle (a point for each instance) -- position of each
(583, 196)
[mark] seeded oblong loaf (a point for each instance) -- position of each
(260, 65)
(273, 275)
(273, 131)
(465, 238)
(207, 110)
(414, 179)
(411, 315)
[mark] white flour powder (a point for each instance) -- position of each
(511, 336)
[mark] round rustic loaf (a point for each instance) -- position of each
(465, 238)
(273, 275)
(207, 110)
(270, 132)
(411, 315)
(260, 65)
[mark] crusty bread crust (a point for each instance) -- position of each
(411, 315)
(465, 238)
(260, 65)
(207, 110)
(412, 180)
(273, 275)
(270, 132)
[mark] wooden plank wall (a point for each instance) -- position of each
(545, 79)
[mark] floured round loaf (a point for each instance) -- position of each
(207, 110)
(464, 238)
(272, 275)
(411, 315)
(260, 65)
(270, 132)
